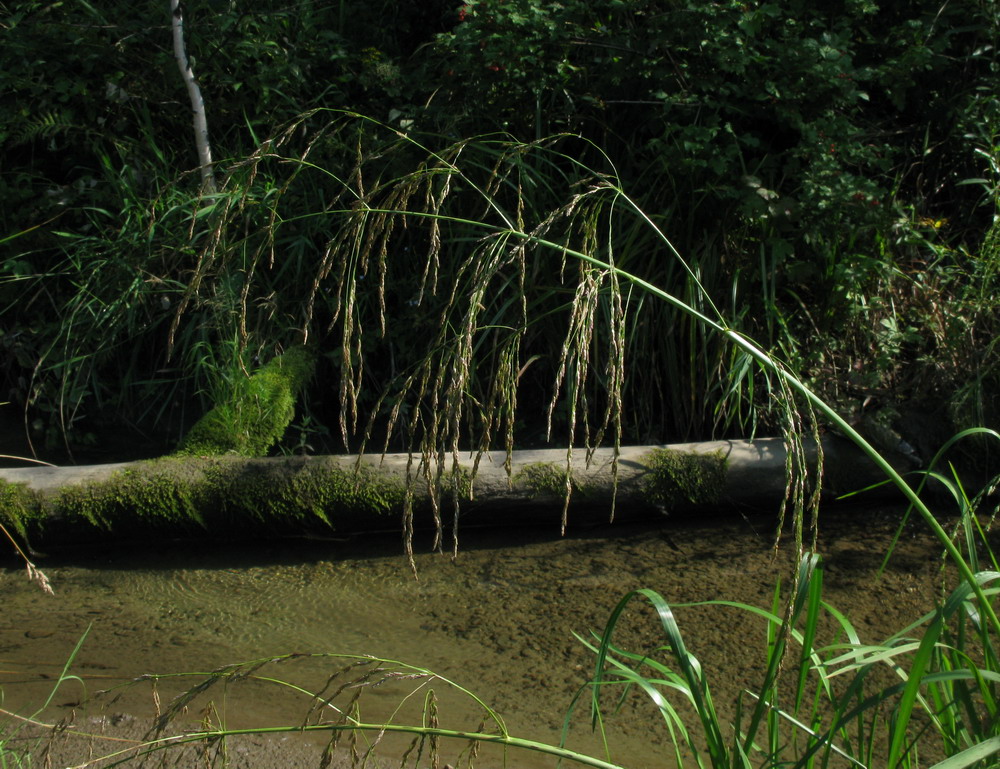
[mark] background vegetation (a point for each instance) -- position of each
(830, 173)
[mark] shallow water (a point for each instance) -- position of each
(498, 620)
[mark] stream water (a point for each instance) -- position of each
(499, 620)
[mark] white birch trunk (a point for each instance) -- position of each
(197, 103)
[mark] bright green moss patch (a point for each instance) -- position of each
(459, 481)
(316, 491)
(678, 478)
(544, 479)
(151, 493)
(20, 509)
(228, 497)
(257, 414)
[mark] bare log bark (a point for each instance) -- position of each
(197, 103)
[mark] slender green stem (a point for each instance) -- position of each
(495, 739)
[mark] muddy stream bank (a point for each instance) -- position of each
(498, 620)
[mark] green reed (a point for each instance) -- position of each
(946, 691)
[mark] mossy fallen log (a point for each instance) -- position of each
(236, 497)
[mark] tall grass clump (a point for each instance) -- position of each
(925, 695)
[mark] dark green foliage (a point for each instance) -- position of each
(797, 115)
(814, 174)
(830, 189)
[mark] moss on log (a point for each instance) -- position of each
(257, 413)
(678, 478)
(235, 497)
(228, 497)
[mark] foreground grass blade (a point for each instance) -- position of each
(971, 756)
(696, 685)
